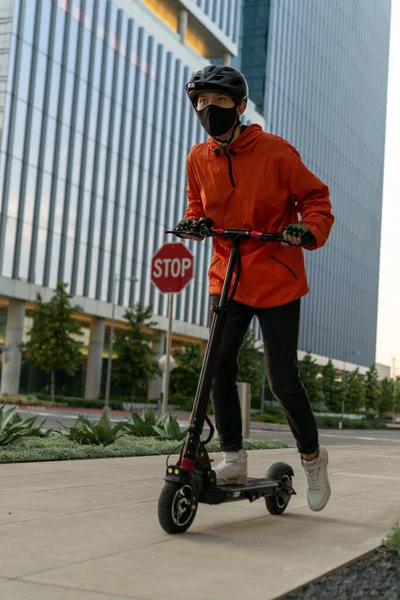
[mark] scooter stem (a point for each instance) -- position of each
(198, 416)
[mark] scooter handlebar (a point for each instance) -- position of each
(206, 231)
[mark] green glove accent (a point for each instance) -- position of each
(301, 231)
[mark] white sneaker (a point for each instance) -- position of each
(319, 489)
(232, 469)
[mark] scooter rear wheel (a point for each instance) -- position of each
(283, 473)
(176, 512)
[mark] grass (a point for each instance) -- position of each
(392, 542)
(60, 448)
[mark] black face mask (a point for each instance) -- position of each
(216, 120)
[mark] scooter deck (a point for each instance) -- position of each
(254, 489)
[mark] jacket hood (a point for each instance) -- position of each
(243, 142)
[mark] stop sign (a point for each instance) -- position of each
(172, 268)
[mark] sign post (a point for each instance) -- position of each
(171, 271)
(168, 355)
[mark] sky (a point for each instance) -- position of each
(388, 333)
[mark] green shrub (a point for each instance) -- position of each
(272, 414)
(100, 432)
(30, 421)
(359, 424)
(165, 427)
(333, 422)
(32, 449)
(12, 427)
(186, 403)
(181, 401)
(103, 433)
(267, 418)
(41, 396)
(82, 402)
(276, 411)
(392, 542)
(27, 401)
(143, 425)
(170, 429)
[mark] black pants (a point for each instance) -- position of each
(280, 328)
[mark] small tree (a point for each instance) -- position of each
(372, 390)
(251, 365)
(135, 363)
(331, 388)
(185, 376)
(355, 397)
(397, 401)
(385, 404)
(52, 341)
(308, 373)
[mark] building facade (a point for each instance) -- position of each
(319, 73)
(95, 132)
(96, 127)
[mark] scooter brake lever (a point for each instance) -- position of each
(184, 234)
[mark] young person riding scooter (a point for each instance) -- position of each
(245, 178)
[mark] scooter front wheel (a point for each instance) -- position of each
(176, 510)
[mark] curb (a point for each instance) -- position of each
(333, 571)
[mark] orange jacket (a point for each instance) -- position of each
(258, 183)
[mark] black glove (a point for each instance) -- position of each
(191, 227)
(301, 231)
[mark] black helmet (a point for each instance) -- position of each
(218, 78)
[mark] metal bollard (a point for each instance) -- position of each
(244, 390)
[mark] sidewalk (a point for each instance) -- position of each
(88, 530)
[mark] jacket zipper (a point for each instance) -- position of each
(230, 168)
(286, 267)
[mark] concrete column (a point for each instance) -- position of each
(95, 358)
(154, 388)
(14, 331)
(182, 24)
(226, 59)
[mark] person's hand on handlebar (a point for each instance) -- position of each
(192, 225)
(298, 235)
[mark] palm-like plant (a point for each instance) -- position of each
(170, 430)
(146, 425)
(101, 432)
(143, 425)
(30, 421)
(12, 427)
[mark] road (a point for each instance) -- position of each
(336, 437)
(329, 437)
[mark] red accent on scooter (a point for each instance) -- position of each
(218, 230)
(256, 233)
(187, 464)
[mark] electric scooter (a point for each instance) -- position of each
(191, 480)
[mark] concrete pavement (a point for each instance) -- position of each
(88, 530)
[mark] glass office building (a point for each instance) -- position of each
(318, 70)
(95, 128)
